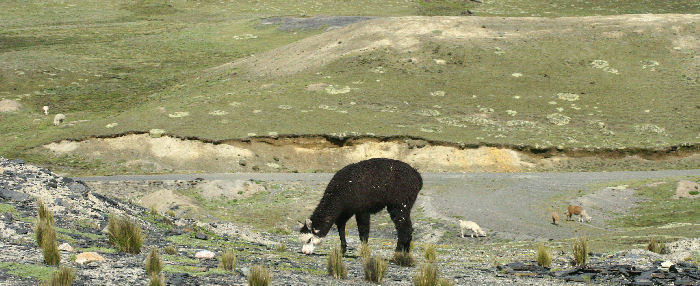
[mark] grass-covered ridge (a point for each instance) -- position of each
(122, 66)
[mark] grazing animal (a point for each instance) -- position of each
(555, 218)
(45, 109)
(470, 225)
(58, 119)
(579, 211)
(361, 189)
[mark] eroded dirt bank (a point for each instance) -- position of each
(313, 153)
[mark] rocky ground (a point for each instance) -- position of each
(81, 218)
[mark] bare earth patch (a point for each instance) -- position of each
(687, 189)
(8, 105)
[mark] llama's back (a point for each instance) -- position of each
(374, 183)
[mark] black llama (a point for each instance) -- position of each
(362, 189)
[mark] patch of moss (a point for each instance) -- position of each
(38, 272)
(8, 208)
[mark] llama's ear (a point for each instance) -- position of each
(308, 223)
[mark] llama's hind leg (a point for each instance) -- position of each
(363, 226)
(402, 220)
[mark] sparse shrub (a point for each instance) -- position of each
(62, 277)
(281, 247)
(693, 193)
(170, 213)
(445, 282)
(544, 258)
(228, 260)
(581, 251)
(403, 258)
(154, 212)
(259, 276)
(374, 269)
(170, 250)
(430, 253)
(365, 251)
(50, 248)
(153, 264)
(124, 234)
(657, 246)
(157, 280)
(335, 265)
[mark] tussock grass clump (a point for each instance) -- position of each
(52, 256)
(428, 276)
(259, 276)
(430, 253)
(45, 213)
(170, 250)
(62, 277)
(228, 260)
(403, 258)
(580, 250)
(544, 258)
(124, 234)
(157, 280)
(335, 265)
(281, 247)
(657, 246)
(41, 230)
(374, 269)
(365, 251)
(153, 264)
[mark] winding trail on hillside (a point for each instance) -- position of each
(509, 205)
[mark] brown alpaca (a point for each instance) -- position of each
(555, 218)
(579, 211)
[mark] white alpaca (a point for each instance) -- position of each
(470, 225)
(45, 109)
(58, 119)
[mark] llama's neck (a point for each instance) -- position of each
(324, 216)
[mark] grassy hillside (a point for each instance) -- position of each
(120, 66)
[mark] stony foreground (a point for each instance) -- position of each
(82, 215)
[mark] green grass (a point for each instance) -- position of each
(148, 54)
(8, 208)
(659, 208)
(34, 271)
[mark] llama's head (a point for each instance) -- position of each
(585, 216)
(308, 237)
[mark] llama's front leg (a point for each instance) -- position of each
(341, 234)
(461, 230)
(363, 226)
(402, 220)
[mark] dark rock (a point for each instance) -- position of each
(13, 195)
(18, 161)
(201, 236)
(67, 180)
(21, 231)
(642, 282)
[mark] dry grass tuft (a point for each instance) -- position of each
(544, 258)
(374, 269)
(428, 276)
(365, 251)
(52, 256)
(153, 264)
(228, 260)
(335, 265)
(125, 234)
(580, 250)
(170, 250)
(259, 276)
(157, 280)
(657, 246)
(45, 213)
(403, 258)
(62, 277)
(430, 253)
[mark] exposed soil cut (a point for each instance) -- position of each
(145, 153)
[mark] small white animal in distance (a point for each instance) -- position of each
(58, 119)
(470, 225)
(45, 109)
